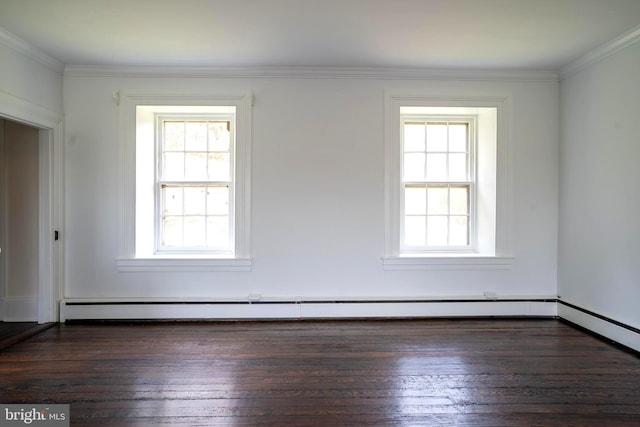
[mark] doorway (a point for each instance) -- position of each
(29, 259)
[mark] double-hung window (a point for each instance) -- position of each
(446, 176)
(195, 185)
(185, 180)
(438, 179)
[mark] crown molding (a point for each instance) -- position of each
(600, 53)
(309, 73)
(30, 51)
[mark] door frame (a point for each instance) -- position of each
(51, 196)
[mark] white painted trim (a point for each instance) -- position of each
(600, 53)
(311, 73)
(183, 265)
(50, 219)
(447, 263)
(20, 110)
(3, 223)
(396, 98)
(18, 309)
(51, 197)
(306, 310)
(129, 100)
(27, 49)
(600, 326)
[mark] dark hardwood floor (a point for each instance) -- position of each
(492, 372)
(13, 332)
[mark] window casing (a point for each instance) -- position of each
(465, 224)
(185, 205)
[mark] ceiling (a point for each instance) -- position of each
(477, 34)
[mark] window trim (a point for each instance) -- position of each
(393, 258)
(127, 259)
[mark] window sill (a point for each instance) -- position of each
(182, 264)
(447, 262)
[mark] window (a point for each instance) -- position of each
(437, 183)
(446, 181)
(195, 188)
(185, 180)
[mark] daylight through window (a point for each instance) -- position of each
(437, 182)
(195, 185)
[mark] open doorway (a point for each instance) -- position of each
(19, 221)
(29, 259)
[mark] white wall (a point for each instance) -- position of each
(599, 244)
(317, 193)
(27, 77)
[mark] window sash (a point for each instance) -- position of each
(432, 208)
(439, 230)
(201, 239)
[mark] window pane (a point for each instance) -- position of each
(219, 136)
(438, 201)
(458, 231)
(437, 137)
(414, 230)
(459, 197)
(195, 201)
(195, 166)
(218, 201)
(414, 137)
(415, 200)
(414, 167)
(458, 167)
(194, 231)
(219, 166)
(172, 197)
(458, 137)
(172, 231)
(173, 136)
(437, 231)
(218, 231)
(173, 167)
(436, 167)
(196, 136)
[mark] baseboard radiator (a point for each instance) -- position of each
(304, 309)
(619, 332)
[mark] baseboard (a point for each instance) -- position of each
(619, 332)
(243, 310)
(114, 309)
(21, 309)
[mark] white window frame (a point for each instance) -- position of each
(159, 182)
(491, 244)
(470, 120)
(138, 110)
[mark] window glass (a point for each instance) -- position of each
(195, 183)
(437, 182)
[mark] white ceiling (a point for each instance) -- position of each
(478, 34)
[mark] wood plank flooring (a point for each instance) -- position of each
(13, 332)
(480, 372)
